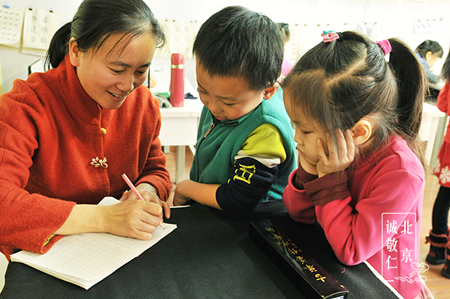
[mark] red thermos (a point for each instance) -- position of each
(177, 80)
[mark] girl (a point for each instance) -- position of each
(360, 173)
(428, 53)
(286, 67)
(439, 234)
(67, 135)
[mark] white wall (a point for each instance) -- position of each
(393, 18)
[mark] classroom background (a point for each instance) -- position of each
(411, 20)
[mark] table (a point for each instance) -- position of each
(179, 128)
(432, 126)
(178, 124)
(209, 255)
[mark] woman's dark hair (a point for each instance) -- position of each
(445, 72)
(340, 82)
(96, 20)
(430, 46)
(237, 42)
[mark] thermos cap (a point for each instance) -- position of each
(177, 58)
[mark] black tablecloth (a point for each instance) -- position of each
(209, 255)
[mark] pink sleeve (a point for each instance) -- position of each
(286, 67)
(297, 202)
(330, 187)
(355, 233)
(442, 100)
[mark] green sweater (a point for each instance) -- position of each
(215, 153)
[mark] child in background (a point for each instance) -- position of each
(245, 149)
(428, 53)
(359, 158)
(286, 67)
(439, 234)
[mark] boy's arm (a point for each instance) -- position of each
(255, 170)
(202, 193)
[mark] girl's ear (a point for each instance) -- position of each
(74, 52)
(269, 92)
(361, 131)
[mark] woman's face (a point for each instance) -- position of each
(112, 72)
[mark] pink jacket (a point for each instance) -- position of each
(372, 213)
(443, 103)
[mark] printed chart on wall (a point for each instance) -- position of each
(28, 30)
(38, 29)
(11, 23)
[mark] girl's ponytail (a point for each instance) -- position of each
(411, 82)
(58, 46)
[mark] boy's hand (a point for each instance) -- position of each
(340, 155)
(178, 198)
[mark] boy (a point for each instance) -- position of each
(245, 149)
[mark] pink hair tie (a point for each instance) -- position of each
(329, 36)
(385, 45)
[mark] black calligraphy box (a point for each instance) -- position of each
(300, 268)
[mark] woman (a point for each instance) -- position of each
(67, 135)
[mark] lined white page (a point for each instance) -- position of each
(85, 259)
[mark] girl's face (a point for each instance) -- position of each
(431, 58)
(307, 132)
(111, 73)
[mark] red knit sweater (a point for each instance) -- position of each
(50, 130)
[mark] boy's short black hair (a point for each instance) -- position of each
(237, 42)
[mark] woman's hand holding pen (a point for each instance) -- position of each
(148, 193)
(132, 218)
(336, 157)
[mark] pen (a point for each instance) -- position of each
(135, 191)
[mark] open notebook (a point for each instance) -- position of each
(86, 259)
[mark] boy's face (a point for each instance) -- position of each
(228, 98)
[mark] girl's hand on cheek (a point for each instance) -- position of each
(340, 155)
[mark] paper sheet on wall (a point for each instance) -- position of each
(180, 36)
(86, 259)
(38, 29)
(11, 23)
